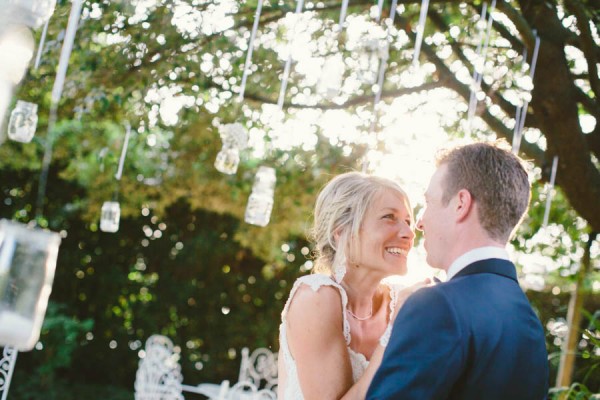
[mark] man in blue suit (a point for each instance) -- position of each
(474, 336)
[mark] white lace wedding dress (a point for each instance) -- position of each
(289, 383)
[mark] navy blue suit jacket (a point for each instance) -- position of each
(473, 337)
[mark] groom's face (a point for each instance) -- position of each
(435, 221)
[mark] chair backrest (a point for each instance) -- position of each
(159, 375)
(259, 368)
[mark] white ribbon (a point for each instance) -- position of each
(480, 63)
(550, 191)
(288, 63)
(250, 48)
(521, 113)
(123, 151)
(59, 82)
(343, 12)
(65, 53)
(38, 57)
(420, 32)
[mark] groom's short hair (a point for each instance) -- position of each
(496, 179)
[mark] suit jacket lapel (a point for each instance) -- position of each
(491, 266)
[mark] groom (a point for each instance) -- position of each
(474, 336)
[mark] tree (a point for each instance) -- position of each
(173, 69)
(189, 55)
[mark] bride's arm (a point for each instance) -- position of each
(316, 341)
(318, 346)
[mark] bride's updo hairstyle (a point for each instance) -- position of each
(341, 207)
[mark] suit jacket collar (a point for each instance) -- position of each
(491, 266)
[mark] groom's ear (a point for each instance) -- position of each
(464, 205)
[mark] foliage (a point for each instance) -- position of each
(183, 275)
(552, 311)
(576, 391)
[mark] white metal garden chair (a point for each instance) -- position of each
(159, 375)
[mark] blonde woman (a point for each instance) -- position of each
(336, 322)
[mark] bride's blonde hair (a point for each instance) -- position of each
(340, 209)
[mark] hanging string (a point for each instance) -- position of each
(478, 75)
(550, 191)
(383, 62)
(473, 96)
(250, 48)
(343, 12)
(420, 32)
(59, 82)
(380, 80)
(38, 57)
(122, 160)
(123, 151)
(521, 112)
(63, 63)
(379, 10)
(288, 63)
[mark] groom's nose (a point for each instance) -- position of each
(419, 224)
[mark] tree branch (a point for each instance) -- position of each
(533, 152)
(521, 23)
(588, 103)
(587, 43)
(359, 100)
(505, 105)
(593, 141)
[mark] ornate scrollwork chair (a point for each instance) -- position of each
(159, 375)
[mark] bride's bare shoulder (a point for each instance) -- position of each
(316, 293)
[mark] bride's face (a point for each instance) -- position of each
(386, 235)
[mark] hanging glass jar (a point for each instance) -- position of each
(23, 122)
(227, 160)
(27, 264)
(32, 13)
(110, 216)
(16, 50)
(234, 138)
(260, 202)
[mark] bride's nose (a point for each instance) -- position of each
(406, 232)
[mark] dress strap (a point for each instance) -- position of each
(394, 288)
(316, 281)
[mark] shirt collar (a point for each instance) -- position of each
(478, 254)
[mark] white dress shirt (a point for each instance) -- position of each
(478, 254)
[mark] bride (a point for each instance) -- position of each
(336, 322)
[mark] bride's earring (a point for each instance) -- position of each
(339, 267)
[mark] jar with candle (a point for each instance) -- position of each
(234, 138)
(260, 202)
(32, 13)
(23, 122)
(228, 160)
(110, 216)
(27, 263)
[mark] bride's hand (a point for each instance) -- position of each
(406, 292)
(401, 298)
